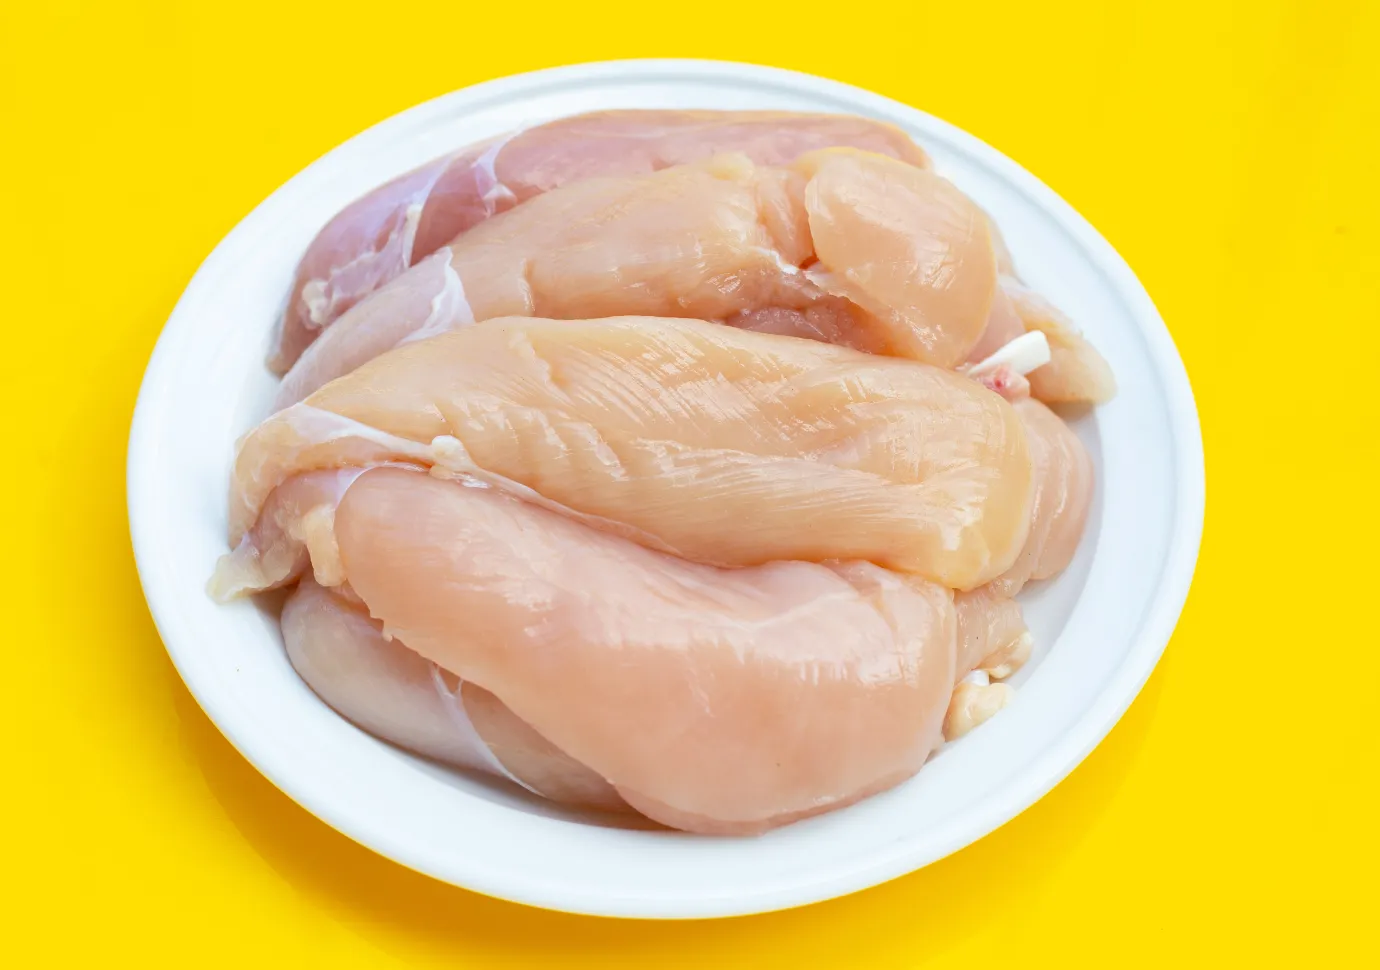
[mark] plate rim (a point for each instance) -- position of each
(1036, 779)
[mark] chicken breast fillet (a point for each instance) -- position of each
(718, 445)
(714, 700)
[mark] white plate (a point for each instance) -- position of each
(1101, 626)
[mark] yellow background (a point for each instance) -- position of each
(1228, 153)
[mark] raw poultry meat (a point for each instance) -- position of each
(993, 641)
(396, 694)
(1063, 476)
(1076, 373)
(294, 529)
(706, 441)
(713, 700)
(992, 635)
(380, 235)
(626, 545)
(387, 689)
(988, 626)
(898, 260)
(392, 692)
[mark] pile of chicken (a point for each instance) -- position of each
(684, 463)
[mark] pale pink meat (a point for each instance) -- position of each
(368, 243)
(552, 520)
(394, 693)
(1076, 372)
(907, 248)
(382, 686)
(905, 263)
(1063, 476)
(398, 224)
(713, 700)
(720, 445)
(837, 321)
(992, 634)
(1003, 326)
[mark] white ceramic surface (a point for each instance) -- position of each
(1101, 626)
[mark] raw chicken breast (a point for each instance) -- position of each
(385, 688)
(992, 634)
(379, 236)
(993, 641)
(1063, 476)
(905, 263)
(713, 700)
(388, 690)
(905, 246)
(1076, 371)
(719, 445)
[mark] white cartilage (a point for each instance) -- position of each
(481, 758)
(782, 265)
(1022, 355)
(974, 703)
(1014, 660)
(316, 301)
